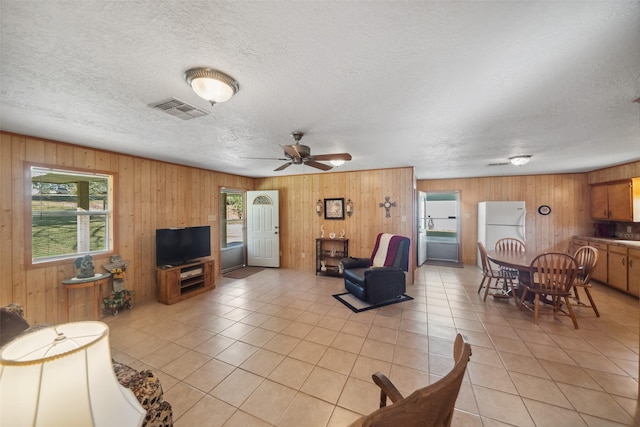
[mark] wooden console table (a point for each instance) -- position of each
(94, 282)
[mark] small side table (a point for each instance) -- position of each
(86, 282)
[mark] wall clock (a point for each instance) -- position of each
(544, 210)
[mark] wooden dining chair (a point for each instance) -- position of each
(552, 276)
(509, 244)
(587, 258)
(488, 274)
(430, 406)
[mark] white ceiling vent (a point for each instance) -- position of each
(498, 164)
(178, 108)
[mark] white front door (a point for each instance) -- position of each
(263, 233)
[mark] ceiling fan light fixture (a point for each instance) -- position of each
(211, 85)
(336, 163)
(520, 160)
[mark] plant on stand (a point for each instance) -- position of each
(118, 300)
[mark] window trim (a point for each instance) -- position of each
(28, 215)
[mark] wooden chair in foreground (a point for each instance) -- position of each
(552, 277)
(429, 406)
(488, 274)
(587, 258)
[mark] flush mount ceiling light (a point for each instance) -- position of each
(337, 162)
(212, 85)
(519, 160)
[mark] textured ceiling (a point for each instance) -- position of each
(447, 87)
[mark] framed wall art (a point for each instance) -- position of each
(334, 208)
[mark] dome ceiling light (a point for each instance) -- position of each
(211, 85)
(520, 160)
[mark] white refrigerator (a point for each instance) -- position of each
(497, 220)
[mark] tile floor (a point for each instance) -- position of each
(276, 349)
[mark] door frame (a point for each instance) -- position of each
(223, 232)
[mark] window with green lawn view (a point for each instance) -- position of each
(70, 213)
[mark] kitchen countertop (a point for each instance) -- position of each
(635, 244)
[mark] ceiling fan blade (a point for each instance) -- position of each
(335, 156)
(318, 165)
(264, 158)
(291, 150)
(286, 165)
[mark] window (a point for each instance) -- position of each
(71, 214)
(231, 218)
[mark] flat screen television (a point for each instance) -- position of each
(177, 246)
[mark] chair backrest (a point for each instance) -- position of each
(509, 244)
(587, 258)
(483, 257)
(554, 271)
(391, 250)
(431, 405)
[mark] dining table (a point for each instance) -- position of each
(518, 261)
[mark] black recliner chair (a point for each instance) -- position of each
(382, 277)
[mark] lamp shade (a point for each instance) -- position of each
(63, 376)
(212, 85)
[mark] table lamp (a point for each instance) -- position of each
(63, 376)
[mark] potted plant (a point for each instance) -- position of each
(118, 300)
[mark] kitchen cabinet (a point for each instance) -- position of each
(633, 271)
(602, 267)
(618, 267)
(616, 201)
(599, 202)
(618, 262)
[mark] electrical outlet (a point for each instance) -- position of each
(303, 255)
(628, 229)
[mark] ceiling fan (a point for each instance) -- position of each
(299, 154)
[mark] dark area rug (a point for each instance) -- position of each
(357, 306)
(452, 264)
(243, 272)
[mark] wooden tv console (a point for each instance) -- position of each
(176, 283)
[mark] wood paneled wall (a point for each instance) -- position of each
(615, 173)
(152, 194)
(149, 195)
(567, 195)
(300, 225)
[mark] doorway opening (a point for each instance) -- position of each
(232, 230)
(439, 227)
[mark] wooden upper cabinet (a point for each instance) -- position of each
(599, 202)
(621, 201)
(616, 201)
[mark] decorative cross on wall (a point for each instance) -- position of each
(387, 205)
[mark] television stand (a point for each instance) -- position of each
(177, 283)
